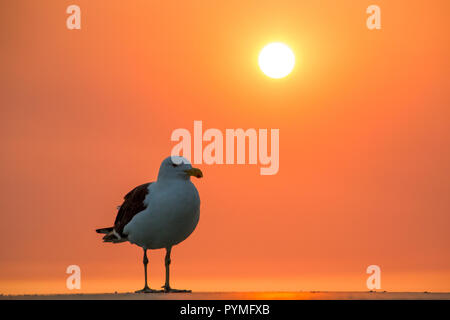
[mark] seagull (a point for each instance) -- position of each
(159, 215)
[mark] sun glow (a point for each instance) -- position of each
(276, 60)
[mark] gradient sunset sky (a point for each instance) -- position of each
(364, 120)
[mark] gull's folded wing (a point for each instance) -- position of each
(132, 205)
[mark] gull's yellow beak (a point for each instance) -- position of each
(194, 172)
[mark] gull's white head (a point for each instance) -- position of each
(176, 167)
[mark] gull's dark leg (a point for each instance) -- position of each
(146, 287)
(167, 261)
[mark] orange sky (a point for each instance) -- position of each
(364, 119)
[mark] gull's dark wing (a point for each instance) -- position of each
(133, 204)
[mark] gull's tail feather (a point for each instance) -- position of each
(105, 230)
(111, 235)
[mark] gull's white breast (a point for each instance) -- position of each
(172, 213)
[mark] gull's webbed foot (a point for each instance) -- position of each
(168, 289)
(148, 290)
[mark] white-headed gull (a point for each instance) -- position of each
(159, 214)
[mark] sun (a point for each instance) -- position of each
(276, 60)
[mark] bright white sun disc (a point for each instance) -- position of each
(276, 60)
